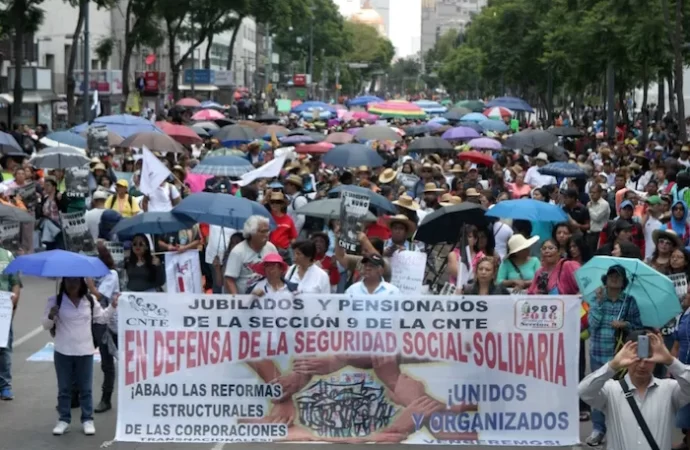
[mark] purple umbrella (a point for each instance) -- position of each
(434, 125)
(458, 133)
(297, 139)
(353, 131)
(333, 122)
(485, 143)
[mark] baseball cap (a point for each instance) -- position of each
(373, 259)
(122, 183)
(654, 200)
(627, 203)
(100, 195)
(617, 269)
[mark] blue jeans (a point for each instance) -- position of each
(598, 417)
(6, 363)
(74, 371)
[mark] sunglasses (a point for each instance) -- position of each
(138, 244)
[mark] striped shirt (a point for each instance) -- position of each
(602, 344)
(658, 405)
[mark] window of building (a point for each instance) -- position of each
(94, 64)
(50, 61)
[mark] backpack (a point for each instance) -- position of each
(97, 329)
(112, 198)
(311, 224)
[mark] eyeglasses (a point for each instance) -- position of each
(138, 244)
(665, 241)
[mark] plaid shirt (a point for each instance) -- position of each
(602, 344)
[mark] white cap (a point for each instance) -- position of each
(100, 195)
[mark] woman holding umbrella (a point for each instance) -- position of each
(69, 316)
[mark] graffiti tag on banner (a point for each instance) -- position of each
(413, 369)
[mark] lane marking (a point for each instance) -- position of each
(218, 446)
(32, 334)
(107, 444)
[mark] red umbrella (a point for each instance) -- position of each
(182, 134)
(189, 103)
(476, 157)
(314, 149)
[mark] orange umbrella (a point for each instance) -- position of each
(319, 148)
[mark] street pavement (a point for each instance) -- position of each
(26, 423)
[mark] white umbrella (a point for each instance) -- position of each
(59, 158)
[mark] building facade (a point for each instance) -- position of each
(440, 16)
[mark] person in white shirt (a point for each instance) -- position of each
(599, 211)
(69, 315)
(93, 216)
(657, 399)
(536, 179)
(272, 268)
(305, 273)
(238, 275)
(163, 199)
(651, 223)
(296, 200)
(218, 242)
(372, 279)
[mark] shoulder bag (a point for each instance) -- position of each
(638, 415)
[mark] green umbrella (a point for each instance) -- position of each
(473, 105)
(446, 102)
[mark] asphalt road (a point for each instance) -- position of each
(26, 423)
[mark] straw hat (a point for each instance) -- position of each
(431, 187)
(457, 168)
(472, 192)
(434, 158)
(361, 169)
(277, 197)
(296, 180)
(667, 234)
(294, 164)
(517, 169)
(403, 219)
(448, 199)
(541, 156)
(387, 176)
(98, 166)
(275, 258)
(405, 201)
(518, 243)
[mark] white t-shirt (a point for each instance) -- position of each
(241, 257)
(160, 199)
(108, 286)
(315, 280)
(649, 227)
(502, 233)
(93, 219)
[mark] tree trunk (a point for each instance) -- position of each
(661, 97)
(671, 93)
(127, 57)
(174, 66)
(71, 82)
(678, 56)
(231, 48)
(18, 49)
(207, 61)
(645, 111)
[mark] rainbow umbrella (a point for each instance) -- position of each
(395, 109)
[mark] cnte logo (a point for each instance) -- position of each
(153, 315)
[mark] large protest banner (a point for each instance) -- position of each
(418, 370)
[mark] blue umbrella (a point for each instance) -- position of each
(377, 200)
(230, 134)
(494, 125)
(57, 264)
(512, 103)
(352, 155)
(9, 145)
(653, 292)
(316, 113)
(528, 209)
(474, 125)
(124, 125)
(364, 100)
(312, 105)
(221, 209)
(431, 107)
(67, 138)
(441, 120)
(298, 139)
(224, 166)
(152, 223)
(563, 169)
(473, 117)
(209, 104)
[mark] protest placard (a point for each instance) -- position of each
(97, 140)
(117, 251)
(77, 182)
(407, 271)
(28, 195)
(348, 369)
(76, 233)
(6, 309)
(10, 236)
(183, 272)
(353, 207)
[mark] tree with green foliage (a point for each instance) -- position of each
(367, 47)
(404, 76)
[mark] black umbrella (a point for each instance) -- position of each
(9, 145)
(352, 155)
(200, 131)
(267, 118)
(315, 135)
(235, 133)
(12, 214)
(457, 113)
(554, 152)
(444, 225)
(417, 130)
(530, 140)
(430, 144)
(565, 131)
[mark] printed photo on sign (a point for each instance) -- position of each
(10, 236)
(28, 195)
(77, 182)
(345, 369)
(353, 207)
(97, 141)
(76, 234)
(117, 251)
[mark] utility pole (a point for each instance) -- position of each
(311, 56)
(269, 57)
(87, 64)
(192, 82)
(337, 81)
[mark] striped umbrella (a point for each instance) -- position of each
(395, 109)
(498, 112)
(223, 166)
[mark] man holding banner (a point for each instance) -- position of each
(8, 283)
